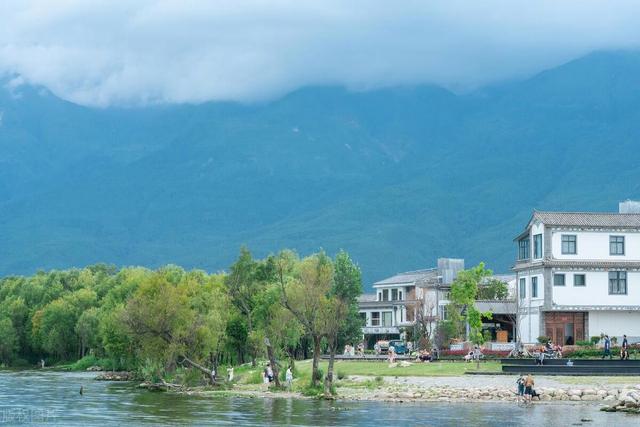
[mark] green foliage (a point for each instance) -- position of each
(464, 293)
(595, 339)
(543, 340)
(8, 341)
(341, 375)
(91, 360)
(493, 289)
(584, 343)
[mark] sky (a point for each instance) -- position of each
(103, 53)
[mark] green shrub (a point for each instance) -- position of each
(255, 377)
(379, 379)
(151, 371)
(341, 375)
(543, 340)
(583, 343)
(595, 340)
(90, 360)
(311, 391)
(320, 375)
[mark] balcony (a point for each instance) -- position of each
(368, 330)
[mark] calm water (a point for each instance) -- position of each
(52, 398)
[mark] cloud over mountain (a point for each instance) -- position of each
(120, 52)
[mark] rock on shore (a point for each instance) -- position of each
(115, 376)
(628, 400)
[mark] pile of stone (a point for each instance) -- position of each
(490, 393)
(627, 401)
(115, 376)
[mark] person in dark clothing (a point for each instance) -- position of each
(624, 350)
(607, 347)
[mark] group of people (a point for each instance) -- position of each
(624, 348)
(350, 350)
(268, 376)
(474, 354)
(549, 350)
(526, 392)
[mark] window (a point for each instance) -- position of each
(569, 244)
(523, 288)
(523, 249)
(400, 295)
(379, 296)
(617, 283)
(537, 246)
(394, 295)
(443, 312)
(534, 287)
(558, 280)
(579, 280)
(616, 245)
(386, 318)
(385, 295)
(375, 318)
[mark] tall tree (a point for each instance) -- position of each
(244, 286)
(305, 286)
(342, 320)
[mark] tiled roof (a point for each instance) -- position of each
(588, 219)
(417, 276)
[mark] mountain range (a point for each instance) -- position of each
(396, 176)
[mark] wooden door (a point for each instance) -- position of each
(559, 336)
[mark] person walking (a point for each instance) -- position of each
(607, 347)
(528, 388)
(624, 352)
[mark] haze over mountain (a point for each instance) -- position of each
(398, 177)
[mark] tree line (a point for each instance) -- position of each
(282, 307)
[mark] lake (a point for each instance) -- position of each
(53, 398)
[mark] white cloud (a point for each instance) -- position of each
(120, 52)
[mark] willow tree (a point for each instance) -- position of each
(177, 317)
(305, 286)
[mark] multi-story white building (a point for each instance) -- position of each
(578, 275)
(398, 300)
(423, 296)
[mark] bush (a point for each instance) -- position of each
(341, 375)
(583, 343)
(311, 391)
(320, 375)
(543, 340)
(595, 340)
(90, 360)
(255, 377)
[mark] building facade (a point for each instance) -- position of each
(398, 301)
(422, 296)
(578, 275)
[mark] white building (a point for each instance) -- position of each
(578, 275)
(400, 300)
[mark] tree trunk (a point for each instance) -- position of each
(273, 362)
(204, 370)
(328, 379)
(249, 329)
(316, 361)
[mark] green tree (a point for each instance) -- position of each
(342, 320)
(305, 286)
(464, 293)
(8, 341)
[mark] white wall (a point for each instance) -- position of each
(528, 300)
(594, 245)
(615, 323)
(529, 325)
(597, 290)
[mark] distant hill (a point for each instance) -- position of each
(398, 177)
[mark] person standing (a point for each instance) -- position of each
(607, 347)
(520, 383)
(289, 378)
(528, 388)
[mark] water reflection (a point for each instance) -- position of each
(55, 398)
